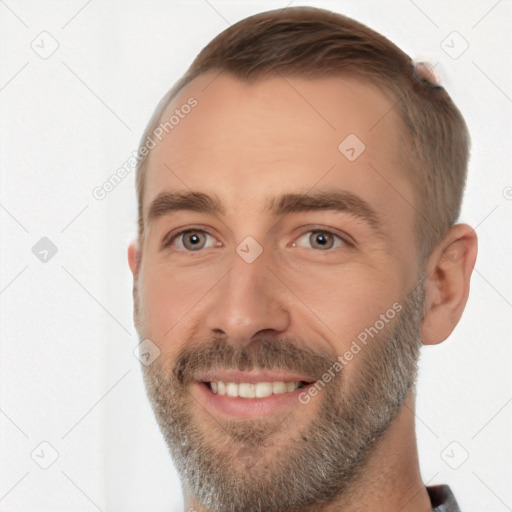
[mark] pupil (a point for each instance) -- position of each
(193, 240)
(321, 239)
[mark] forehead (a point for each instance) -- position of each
(243, 142)
(276, 113)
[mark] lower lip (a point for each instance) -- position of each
(249, 407)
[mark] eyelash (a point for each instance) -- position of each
(169, 240)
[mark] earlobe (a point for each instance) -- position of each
(134, 264)
(133, 258)
(448, 271)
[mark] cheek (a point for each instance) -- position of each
(348, 299)
(167, 302)
(352, 309)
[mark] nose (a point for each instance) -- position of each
(248, 301)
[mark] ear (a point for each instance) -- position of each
(448, 271)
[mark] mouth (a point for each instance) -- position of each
(251, 394)
(254, 390)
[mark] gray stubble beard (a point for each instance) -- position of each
(283, 466)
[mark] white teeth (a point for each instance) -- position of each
(247, 390)
(279, 387)
(263, 389)
(250, 390)
(231, 389)
(292, 386)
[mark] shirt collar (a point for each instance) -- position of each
(442, 499)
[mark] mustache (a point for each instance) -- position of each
(264, 353)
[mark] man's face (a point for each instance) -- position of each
(279, 283)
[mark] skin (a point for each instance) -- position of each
(242, 143)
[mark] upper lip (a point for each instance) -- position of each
(254, 376)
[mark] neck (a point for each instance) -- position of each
(391, 481)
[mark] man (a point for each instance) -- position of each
(298, 191)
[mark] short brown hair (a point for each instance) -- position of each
(311, 43)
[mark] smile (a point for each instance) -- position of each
(254, 390)
(245, 400)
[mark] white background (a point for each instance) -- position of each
(67, 372)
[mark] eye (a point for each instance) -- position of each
(190, 240)
(321, 239)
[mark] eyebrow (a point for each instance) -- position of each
(168, 202)
(329, 199)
